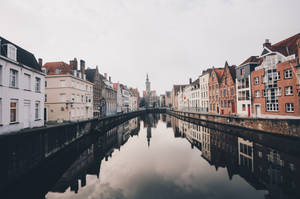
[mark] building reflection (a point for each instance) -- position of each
(150, 121)
(264, 168)
(89, 162)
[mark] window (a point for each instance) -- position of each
(13, 111)
(0, 75)
(264, 93)
(45, 84)
(27, 82)
(256, 94)
(12, 52)
(62, 83)
(73, 98)
(13, 78)
(288, 90)
(62, 97)
(37, 110)
(37, 85)
(277, 91)
(256, 80)
(232, 91)
(244, 107)
(289, 107)
(0, 111)
(45, 97)
(288, 74)
(242, 70)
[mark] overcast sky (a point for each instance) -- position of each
(171, 40)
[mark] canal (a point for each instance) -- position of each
(159, 156)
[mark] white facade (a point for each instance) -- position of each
(21, 95)
(133, 104)
(204, 98)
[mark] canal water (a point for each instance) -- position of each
(159, 156)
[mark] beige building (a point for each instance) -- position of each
(69, 96)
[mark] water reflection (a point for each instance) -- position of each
(158, 156)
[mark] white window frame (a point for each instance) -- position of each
(37, 110)
(288, 74)
(289, 107)
(37, 85)
(62, 97)
(11, 52)
(13, 78)
(62, 83)
(1, 79)
(257, 93)
(256, 80)
(16, 113)
(27, 81)
(288, 90)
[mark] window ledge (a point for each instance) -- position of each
(14, 87)
(37, 120)
(12, 123)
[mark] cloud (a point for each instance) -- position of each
(172, 40)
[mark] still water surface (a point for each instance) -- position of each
(158, 156)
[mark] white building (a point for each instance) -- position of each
(133, 102)
(123, 97)
(21, 89)
(203, 84)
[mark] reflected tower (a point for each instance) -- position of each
(149, 135)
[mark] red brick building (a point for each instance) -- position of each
(275, 83)
(227, 91)
(213, 84)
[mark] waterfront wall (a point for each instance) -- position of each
(287, 127)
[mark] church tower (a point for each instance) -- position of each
(148, 89)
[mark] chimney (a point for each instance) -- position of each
(109, 78)
(190, 80)
(105, 75)
(41, 62)
(82, 67)
(73, 64)
(267, 43)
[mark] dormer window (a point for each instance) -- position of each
(11, 52)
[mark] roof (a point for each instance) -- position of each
(62, 66)
(219, 72)
(286, 47)
(251, 59)
(23, 56)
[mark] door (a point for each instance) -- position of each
(257, 110)
(26, 114)
(249, 112)
(45, 114)
(233, 107)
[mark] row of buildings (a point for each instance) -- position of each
(265, 86)
(32, 93)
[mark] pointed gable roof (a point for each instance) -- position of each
(250, 60)
(231, 69)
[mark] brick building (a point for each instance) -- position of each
(94, 76)
(227, 91)
(275, 82)
(214, 83)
